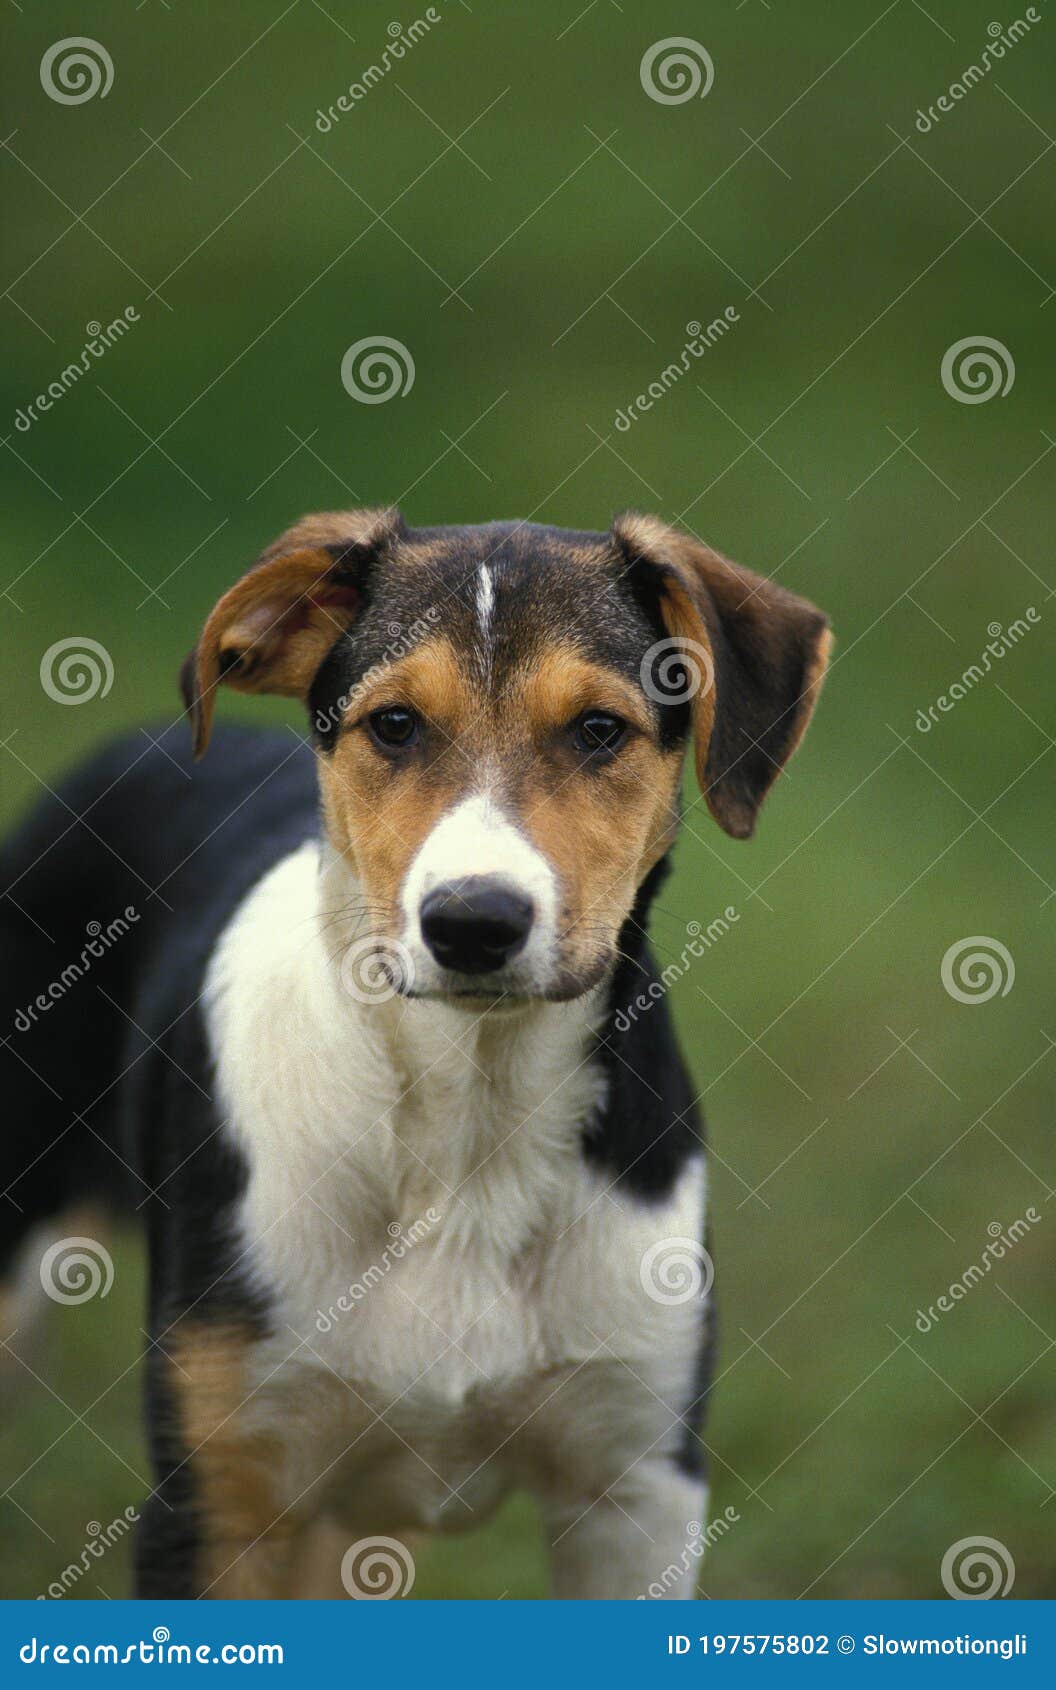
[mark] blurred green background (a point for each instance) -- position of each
(537, 231)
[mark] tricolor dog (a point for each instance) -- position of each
(418, 1189)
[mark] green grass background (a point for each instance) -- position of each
(854, 1449)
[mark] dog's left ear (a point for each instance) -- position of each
(759, 651)
(272, 630)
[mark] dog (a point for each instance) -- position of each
(374, 1036)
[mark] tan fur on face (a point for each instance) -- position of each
(601, 828)
(378, 812)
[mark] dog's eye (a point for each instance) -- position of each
(394, 728)
(598, 734)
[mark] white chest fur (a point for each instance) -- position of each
(457, 1296)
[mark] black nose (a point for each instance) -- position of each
(476, 924)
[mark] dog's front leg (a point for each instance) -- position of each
(644, 1537)
(187, 1551)
(219, 1523)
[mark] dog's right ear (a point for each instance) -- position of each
(272, 630)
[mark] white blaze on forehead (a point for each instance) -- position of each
(478, 838)
(485, 599)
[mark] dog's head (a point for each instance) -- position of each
(500, 715)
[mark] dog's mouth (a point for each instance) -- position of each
(505, 991)
(497, 1001)
(376, 969)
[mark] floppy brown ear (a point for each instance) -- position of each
(760, 652)
(271, 631)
